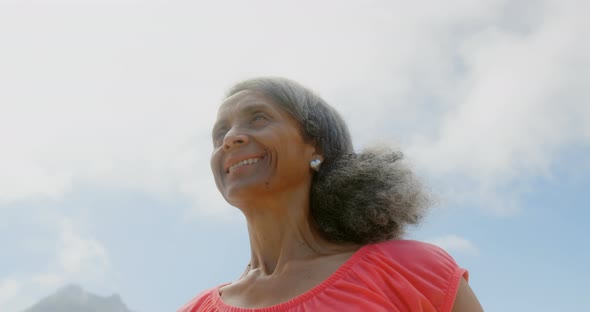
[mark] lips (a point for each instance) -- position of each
(236, 162)
(243, 163)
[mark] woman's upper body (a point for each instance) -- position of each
(314, 208)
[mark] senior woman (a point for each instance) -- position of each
(325, 223)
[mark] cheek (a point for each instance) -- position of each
(294, 162)
(215, 164)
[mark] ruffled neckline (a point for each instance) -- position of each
(283, 306)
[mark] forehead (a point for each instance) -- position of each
(246, 101)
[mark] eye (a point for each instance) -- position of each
(259, 117)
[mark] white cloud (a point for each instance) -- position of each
(520, 101)
(78, 255)
(8, 289)
(454, 243)
(49, 280)
(488, 92)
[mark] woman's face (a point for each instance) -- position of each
(258, 149)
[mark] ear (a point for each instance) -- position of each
(316, 150)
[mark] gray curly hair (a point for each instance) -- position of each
(355, 198)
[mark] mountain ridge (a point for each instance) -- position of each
(73, 298)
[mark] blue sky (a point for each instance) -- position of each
(106, 109)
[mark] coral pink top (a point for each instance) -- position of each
(397, 275)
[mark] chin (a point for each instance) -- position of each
(238, 194)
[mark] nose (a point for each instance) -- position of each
(233, 139)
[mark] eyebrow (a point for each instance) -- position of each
(251, 108)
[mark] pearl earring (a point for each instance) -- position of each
(315, 164)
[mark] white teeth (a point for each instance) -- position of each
(243, 162)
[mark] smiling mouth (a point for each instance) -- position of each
(241, 163)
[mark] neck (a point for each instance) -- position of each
(280, 232)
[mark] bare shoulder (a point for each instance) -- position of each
(466, 301)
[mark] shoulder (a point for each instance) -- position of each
(426, 268)
(201, 303)
(407, 245)
(415, 253)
